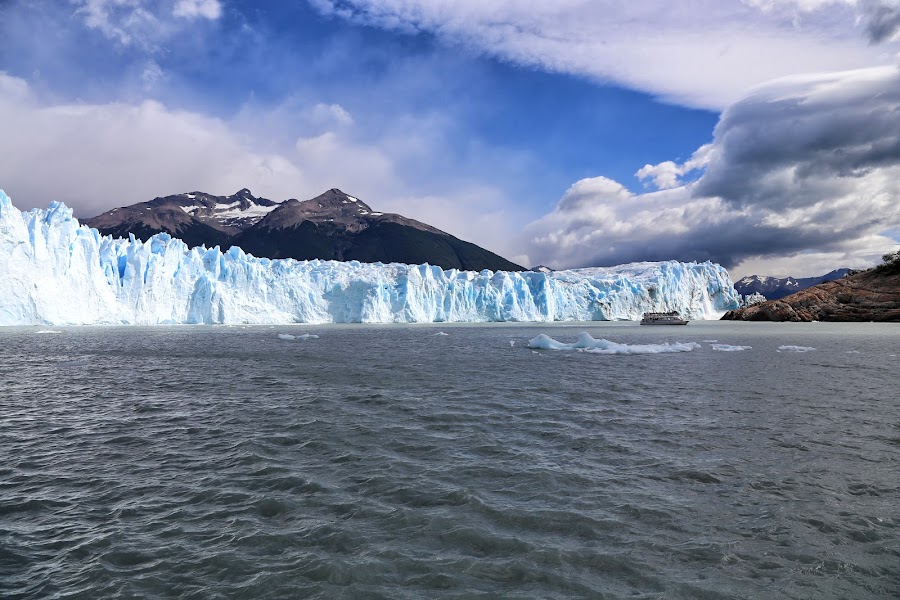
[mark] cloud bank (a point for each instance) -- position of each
(95, 157)
(704, 53)
(804, 167)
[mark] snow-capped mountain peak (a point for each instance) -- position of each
(774, 288)
(333, 225)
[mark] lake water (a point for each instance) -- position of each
(391, 462)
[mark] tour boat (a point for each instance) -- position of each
(663, 318)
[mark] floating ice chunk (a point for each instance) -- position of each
(289, 337)
(47, 331)
(795, 349)
(586, 343)
(72, 364)
(441, 333)
(614, 348)
(728, 348)
(512, 343)
(709, 341)
(853, 352)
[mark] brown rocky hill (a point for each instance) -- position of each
(872, 295)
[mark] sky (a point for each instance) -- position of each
(763, 135)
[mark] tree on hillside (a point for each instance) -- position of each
(891, 262)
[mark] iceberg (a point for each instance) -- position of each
(303, 336)
(586, 343)
(54, 271)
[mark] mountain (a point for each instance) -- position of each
(331, 226)
(872, 295)
(54, 271)
(773, 288)
(196, 218)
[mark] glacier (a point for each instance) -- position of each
(54, 271)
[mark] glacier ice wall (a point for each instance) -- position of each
(54, 271)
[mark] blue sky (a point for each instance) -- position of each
(572, 133)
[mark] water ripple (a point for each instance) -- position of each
(140, 463)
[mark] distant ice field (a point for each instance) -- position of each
(54, 271)
(387, 461)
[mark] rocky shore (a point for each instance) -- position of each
(872, 295)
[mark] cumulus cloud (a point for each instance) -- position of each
(796, 141)
(801, 170)
(667, 174)
(98, 156)
(705, 53)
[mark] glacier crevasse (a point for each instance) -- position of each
(54, 271)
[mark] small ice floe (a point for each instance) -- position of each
(74, 364)
(853, 352)
(512, 343)
(289, 337)
(47, 331)
(586, 343)
(729, 348)
(795, 349)
(710, 341)
(441, 333)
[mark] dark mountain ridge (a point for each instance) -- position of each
(774, 288)
(331, 226)
(872, 295)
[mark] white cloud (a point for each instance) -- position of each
(95, 157)
(144, 24)
(705, 53)
(802, 172)
(193, 9)
(331, 115)
(667, 174)
(151, 75)
(124, 21)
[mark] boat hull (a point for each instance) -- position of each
(663, 318)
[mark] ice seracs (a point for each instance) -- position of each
(54, 271)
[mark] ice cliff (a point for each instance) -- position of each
(55, 271)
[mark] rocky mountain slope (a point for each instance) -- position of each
(774, 288)
(872, 295)
(332, 226)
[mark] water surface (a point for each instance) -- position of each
(391, 462)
